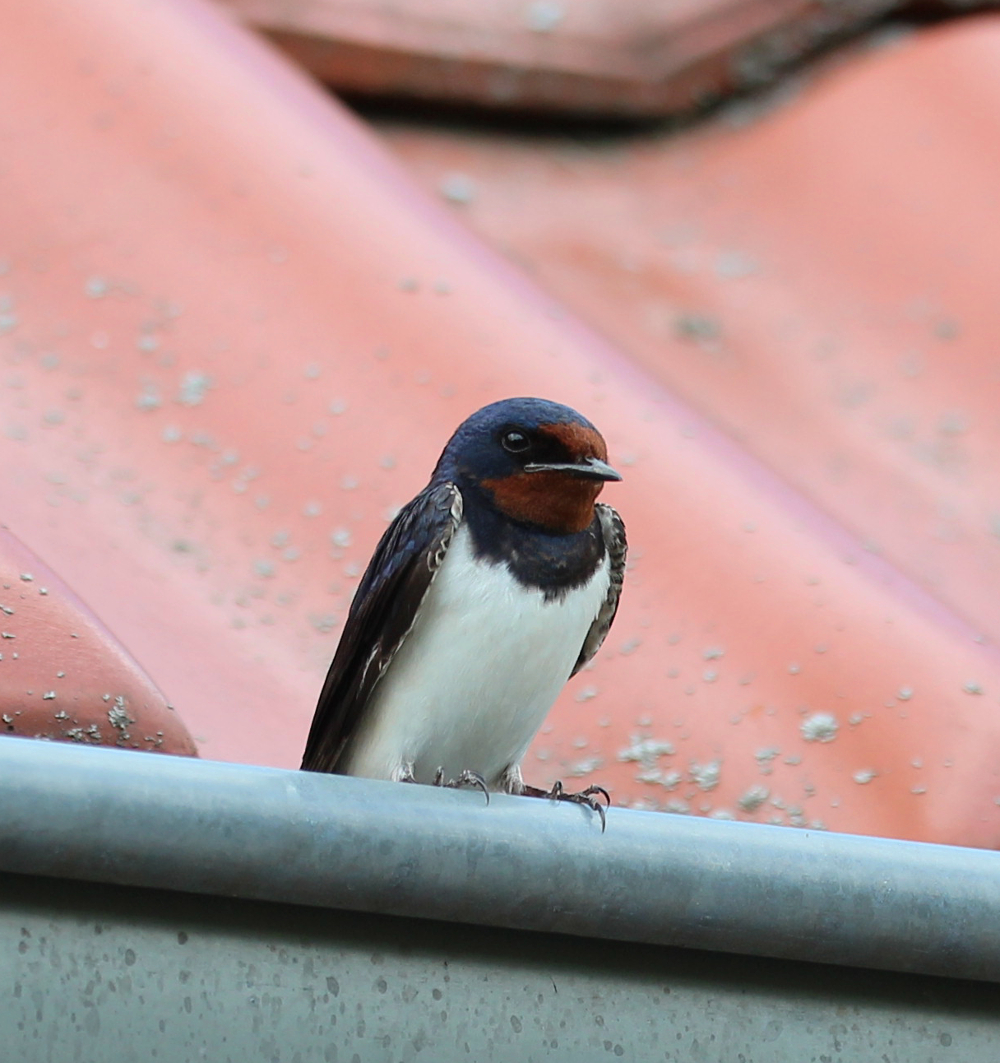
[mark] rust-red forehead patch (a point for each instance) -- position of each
(578, 439)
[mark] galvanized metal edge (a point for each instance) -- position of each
(139, 819)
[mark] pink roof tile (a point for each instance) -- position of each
(235, 335)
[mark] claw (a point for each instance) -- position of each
(467, 778)
(404, 774)
(472, 778)
(584, 797)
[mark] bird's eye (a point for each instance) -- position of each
(515, 442)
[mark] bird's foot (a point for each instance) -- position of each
(586, 797)
(466, 778)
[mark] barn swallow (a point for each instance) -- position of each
(486, 593)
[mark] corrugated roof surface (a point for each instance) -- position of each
(236, 334)
(611, 57)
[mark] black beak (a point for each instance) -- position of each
(587, 469)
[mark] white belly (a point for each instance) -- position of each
(472, 682)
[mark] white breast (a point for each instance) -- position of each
(472, 682)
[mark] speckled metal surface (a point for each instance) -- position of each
(98, 972)
(518, 863)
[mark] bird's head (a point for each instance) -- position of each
(536, 461)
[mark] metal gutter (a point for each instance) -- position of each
(124, 818)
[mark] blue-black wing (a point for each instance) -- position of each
(613, 530)
(381, 616)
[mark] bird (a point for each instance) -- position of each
(488, 591)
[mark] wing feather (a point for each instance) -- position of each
(385, 606)
(613, 530)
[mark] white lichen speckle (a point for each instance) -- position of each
(543, 16)
(119, 718)
(193, 388)
(586, 766)
(341, 538)
(96, 287)
(820, 727)
(706, 776)
(149, 398)
(645, 751)
(458, 188)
